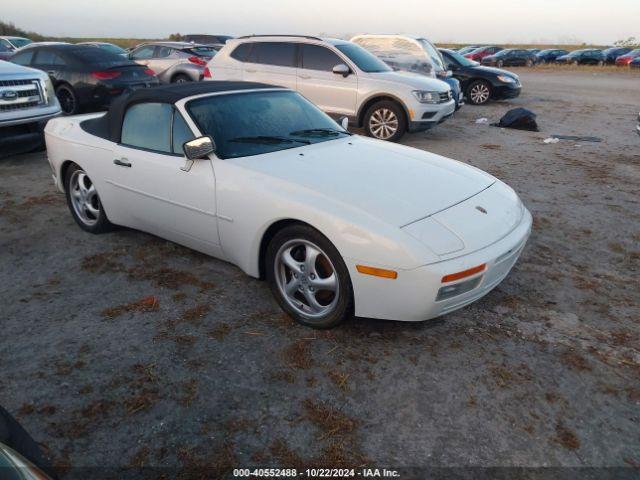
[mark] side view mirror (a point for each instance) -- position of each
(199, 148)
(341, 69)
(344, 122)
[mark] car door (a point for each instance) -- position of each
(333, 93)
(273, 63)
(158, 193)
(163, 59)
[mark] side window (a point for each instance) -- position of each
(147, 125)
(58, 60)
(23, 58)
(44, 57)
(181, 133)
(241, 52)
(5, 46)
(143, 53)
(163, 52)
(315, 57)
(281, 54)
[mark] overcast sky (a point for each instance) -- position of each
(485, 21)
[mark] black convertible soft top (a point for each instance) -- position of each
(109, 126)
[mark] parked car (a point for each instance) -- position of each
(174, 62)
(481, 84)
(84, 77)
(611, 54)
(627, 58)
(549, 55)
(635, 63)
(256, 175)
(535, 51)
(511, 57)
(8, 45)
(587, 56)
(216, 41)
(467, 49)
(411, 54)
(479, 53)
(27, 101)
(342, 78)
(109, 47)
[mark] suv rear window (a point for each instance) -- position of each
(241, 52)
(282, 54)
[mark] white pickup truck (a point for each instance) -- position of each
(27, 102)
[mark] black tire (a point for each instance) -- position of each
(340, 308)
(499, 64)
(100, 223)
(378, 109)
(479, 92)
(181, 78)
(68, 99)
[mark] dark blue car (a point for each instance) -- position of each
(550, 55)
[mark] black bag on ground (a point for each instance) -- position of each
(520, 119)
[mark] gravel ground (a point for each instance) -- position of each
(123, 350)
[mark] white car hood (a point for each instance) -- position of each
(396, 184)
(414, 80)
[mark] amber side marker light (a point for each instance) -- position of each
(465, 273)
(377, 272)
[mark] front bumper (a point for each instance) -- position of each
(412, 296)
(426, 116)
(507, 91)
(32, 115)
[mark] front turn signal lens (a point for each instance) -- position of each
(377, 272)
(464, 274)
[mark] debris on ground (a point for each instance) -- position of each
(518, 119)
(482, 120)
(551, 140)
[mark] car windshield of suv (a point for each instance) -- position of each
(462, 60)
(247, 124)
(112, 48)
(365, 60)
(20, 42)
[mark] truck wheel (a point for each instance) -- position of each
(68, 100)
(84, 202)
(385, 120)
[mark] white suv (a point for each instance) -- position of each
(342, 78)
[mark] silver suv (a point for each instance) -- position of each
(27, 101)
(174, 62)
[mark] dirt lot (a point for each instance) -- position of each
(124, 350)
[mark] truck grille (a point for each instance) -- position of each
(20, 94)
(445, 96)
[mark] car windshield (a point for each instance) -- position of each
(462, 60)
(247, 124)
(365, 60)
(20, 42)
(577, 52)
(634, 52)
(109, 47)
(502, 53)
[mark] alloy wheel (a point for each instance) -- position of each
(479, 93)
(306, 278)
(67, 100)
(84, 198)
(383, 123)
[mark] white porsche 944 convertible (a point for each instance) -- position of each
(338, 224)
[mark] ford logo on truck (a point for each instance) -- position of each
(9, 95)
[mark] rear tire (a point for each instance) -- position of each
(83, 201)
(68, 100)
(181, 78)
(385, 120)
(479, 92)
(308, 277)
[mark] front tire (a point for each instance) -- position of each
(479, 92)
(68, 100)
(385, 120)
(308, 277)
(83, 201)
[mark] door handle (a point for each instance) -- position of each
(122, 162)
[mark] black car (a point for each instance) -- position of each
(549, 55)
(610, 54)
(85, 77)
(511, 57)
(481, 84)
(582, 57)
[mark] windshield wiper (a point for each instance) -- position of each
(268, 139)
(320, 131)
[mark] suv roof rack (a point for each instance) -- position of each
(283, 35)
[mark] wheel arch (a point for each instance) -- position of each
(268, 235)
(64, 168)
(380, 98)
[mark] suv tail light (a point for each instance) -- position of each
(207, 73)
(197, 61)
(105, 75)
